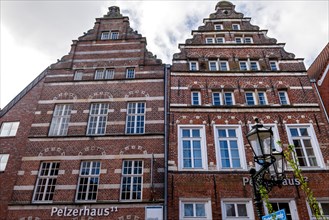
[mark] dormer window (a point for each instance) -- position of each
(194, 66)
(213, 66)
(114, 35)
(220, 40)
(274, 65)
(238, 40)
(254, 65)
(105, 35)
(223, 66)
(248, 40)
(218, 27)
(235, 27)
(209, 40)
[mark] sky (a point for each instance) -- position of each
(34, 34)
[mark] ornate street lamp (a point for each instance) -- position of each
(271, 162)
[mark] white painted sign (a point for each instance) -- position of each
(85, 211)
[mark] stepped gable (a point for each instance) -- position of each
(113, 20)
(225, 14)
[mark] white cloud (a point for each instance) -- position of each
(35, 34)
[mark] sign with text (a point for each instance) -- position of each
(279, 215)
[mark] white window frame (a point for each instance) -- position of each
(251, 64)
(212, 63)
(100, 116)
(94, 166)
(9, 129)
(274, 65)
(320, 200)
(239, 139)
(285, 94)
(220, 98)
(314, 142)
(205, 201)
(134, 117)
(78, 75)
(203, 147)
(114, 35)
(61, 118)
(235, 27)
(105, 35)
(218, 27)
(291, 203)
(253, 98)
(246, 39)
(220, 40)
(132, 176)
(258, 97)
(224, 98)
(130, 73)
(198, 96)
(104, 74)
(209, 40)
(236, 201)
(238, 40)
(226, 64)
(241, 63)
(3, 161)
(193, 66)
(46, 182)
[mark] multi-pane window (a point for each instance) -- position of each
(250, 99)
(254, 65)
(223, 66)
(195, 98)
(213, 66)
(235, 26)
(302, 137)
(283, 98)
(229, 147)
(218, 27)
(97, 119)
(9, 129)
(262, 98)
(3, 161)
(216, 98)
(238, 40)
(324, 208)
(61, 118)
(135, 118)
(209, 40)
(88, 181)
(46, 182)
(274, 65)
(130, 73)
(243, 65)
(105, 35)
(132, 180)
(220, 40)
(104, 74)
(78, 75)
(114, 35)
(191, 148)
(248, 40)
(228, 98)
(193, 66)
(237, 210)
(194, 210)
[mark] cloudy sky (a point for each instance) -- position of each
(34, 34)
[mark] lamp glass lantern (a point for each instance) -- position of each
(260, 139)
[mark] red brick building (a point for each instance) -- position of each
(85, 140)
(319, 74)
(229, 73)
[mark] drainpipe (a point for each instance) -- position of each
(317, 92)
(166, 95)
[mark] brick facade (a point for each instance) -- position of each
(92, 141)
(208, 172)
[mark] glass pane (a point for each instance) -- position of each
(195, 133)
(221, 132)
(294, 132)
(231, 133)
(325, 208)
(188, 210)
(303, 132)
(242, 210)
(186, 133)
(200, 210)
(230, 211)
